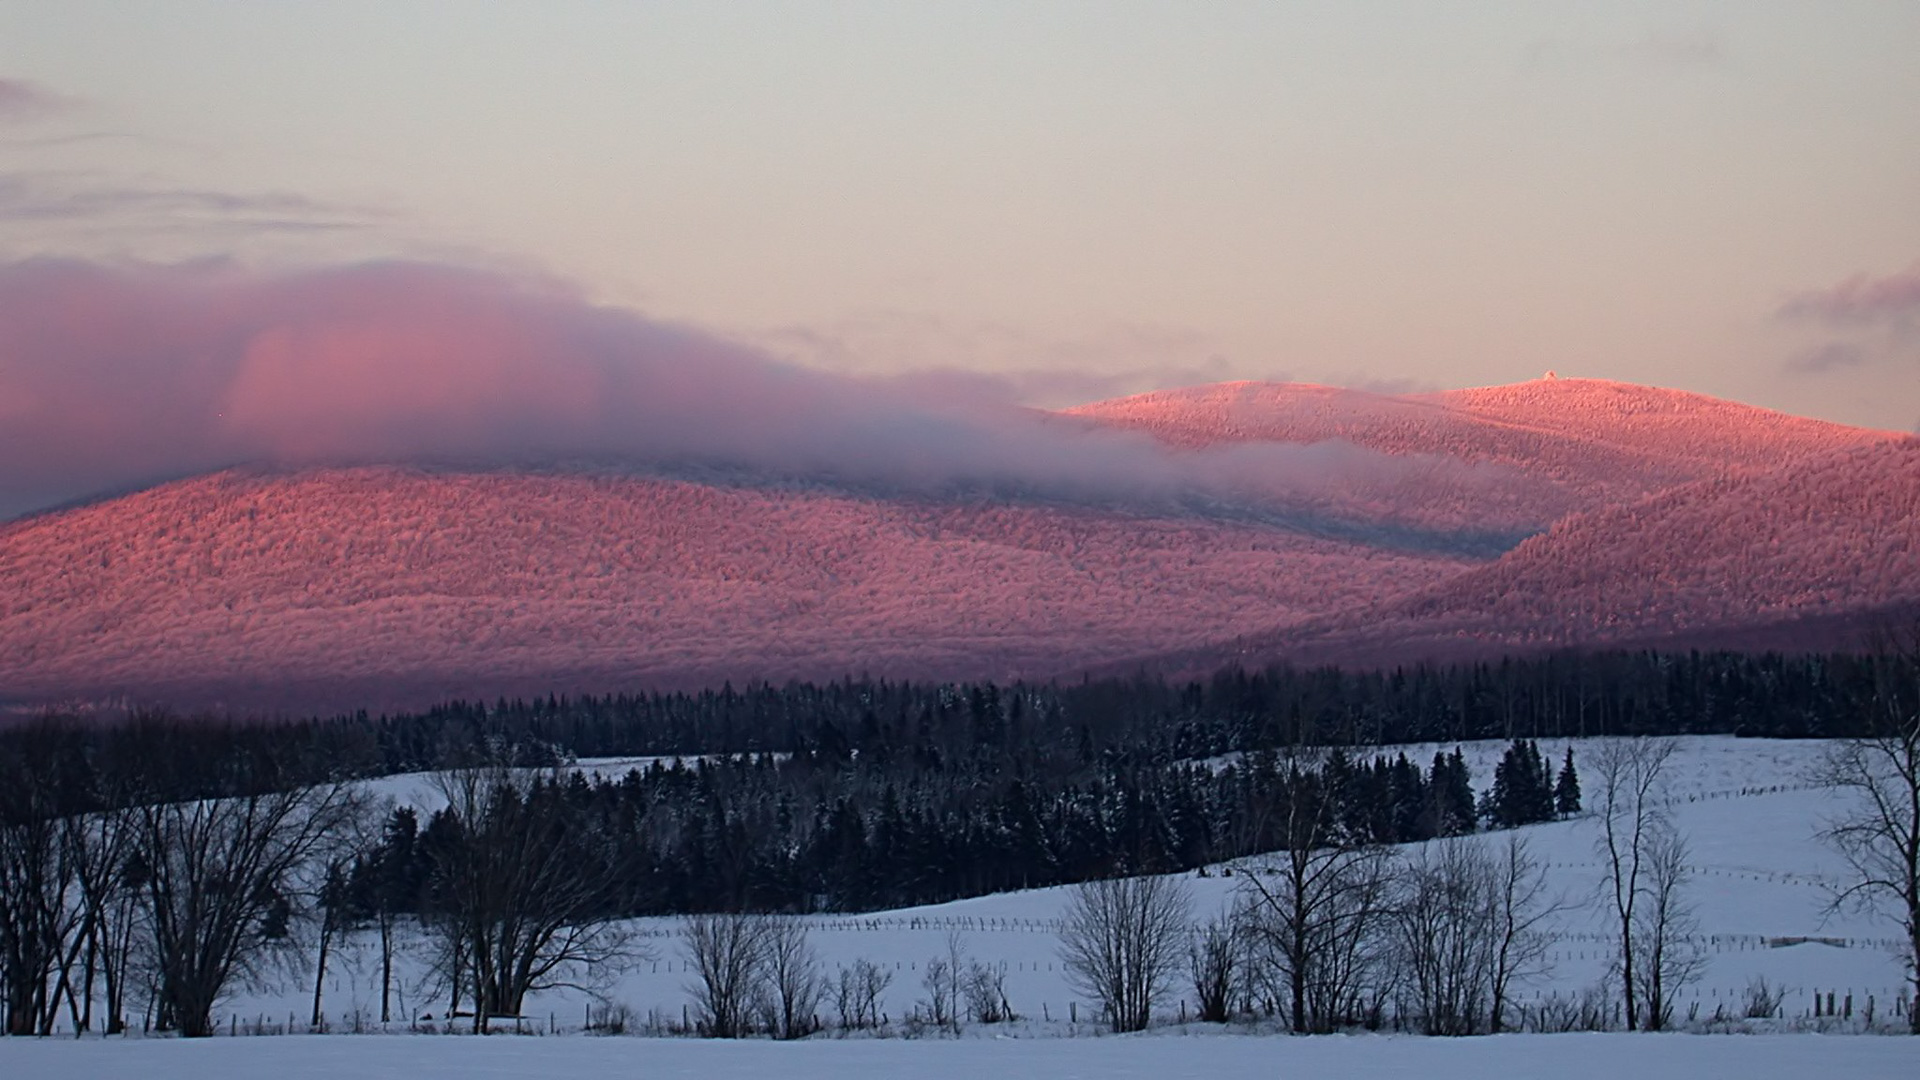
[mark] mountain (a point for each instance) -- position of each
(1591, 440)
(390, 584)
(1809, 555)
(1629, 513)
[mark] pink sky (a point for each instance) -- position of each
(960, 201)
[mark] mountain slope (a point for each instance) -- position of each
(1805, 556)
(1660, 516)
(400, 584)
(1592, 441)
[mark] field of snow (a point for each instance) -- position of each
(1563, 1057)
(1745, 805)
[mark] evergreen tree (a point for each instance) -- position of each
(1522, 791)
(1451, 794)
(1566, 793)
(1540, 790)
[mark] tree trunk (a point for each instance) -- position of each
(320, 974)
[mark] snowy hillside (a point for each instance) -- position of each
(1822, 539)
(352, 587)
(1745, 805)
(1663, 519)
(1596, 441)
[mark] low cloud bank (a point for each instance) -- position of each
(114, 377)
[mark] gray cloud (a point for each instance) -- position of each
(116, 376)
(1832, 356)
(65, 198)
(21, 100)
(998, 362)
(1860, 300)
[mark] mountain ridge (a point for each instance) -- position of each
(337, 587)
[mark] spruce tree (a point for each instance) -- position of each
(1566, 793)
(1540, 805)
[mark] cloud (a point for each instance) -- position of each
(1832, 356)
(1860, 300)
(21, 100)
(64, 199)
(115, 376)
(1055, 387)
(1004, 363)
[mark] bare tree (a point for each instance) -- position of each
(1670, 958)
(99, 847)
(729, 957)
(1630, 816)
(1469, 918)
(43, 925)
(218, 878)
(986, 991)
(1216, 956)
(857, 993)
(1318, 913)
(528, 902)
(1878, 773)
(793, 978)
(944, 982)
(1522, 908)
(1444, 919)
(331, 915)
(1122, 941)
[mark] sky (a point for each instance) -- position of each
(1053, 203)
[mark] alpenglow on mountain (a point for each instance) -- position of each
(1560, 513)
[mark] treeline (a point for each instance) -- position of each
(109, 896)
(1141, 719)
(157, 858)
(815, 832)
(1640, 693)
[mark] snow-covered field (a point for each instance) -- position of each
(1520, 1057)
(1745, 805)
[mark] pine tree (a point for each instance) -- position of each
(1540, 805)
(1450, 790)
(1566, 793)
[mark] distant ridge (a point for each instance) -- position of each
(1660, 516)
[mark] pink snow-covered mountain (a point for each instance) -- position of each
(1655, 516)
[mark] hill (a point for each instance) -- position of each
(1807, 556)
(405, 585)
(1660, 516)
(1591, 440)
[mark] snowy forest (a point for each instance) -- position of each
(165, 856)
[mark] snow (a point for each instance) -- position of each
(385, 587)
(1564, 1057)
(1746, 806)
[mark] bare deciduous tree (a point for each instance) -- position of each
(1216, 955)
(794, 983)
(528, 903)
(986, 991)
(729, 957)
(1318, 914)
(217, 880)
(1122, 942)
(944, 982)
(1670, 958)
(1444, 919)
(857, 993)
(1522, 908)
(1630, 818)
(1878, 774)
